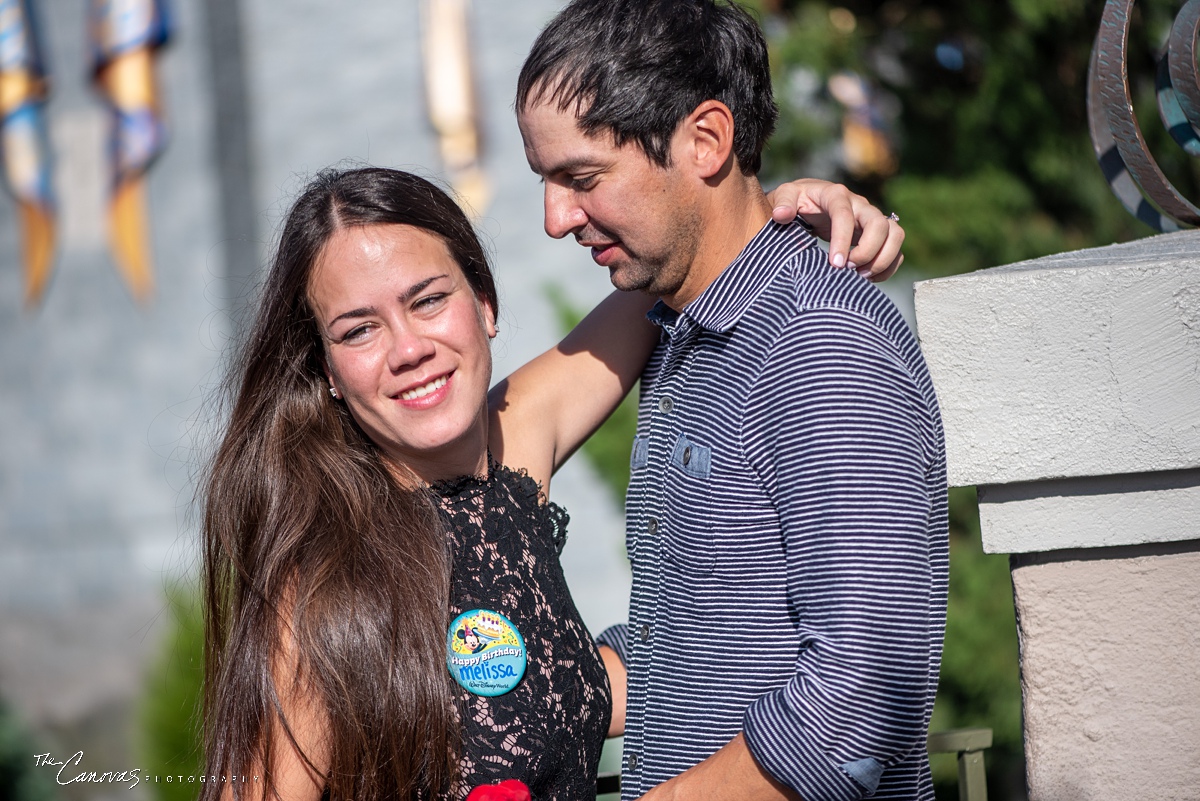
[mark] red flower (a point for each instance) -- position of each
(507, 790)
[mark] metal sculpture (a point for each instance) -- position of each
(1121, 149)
(24, 147)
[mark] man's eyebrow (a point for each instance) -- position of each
(409, 294)
(568, 166)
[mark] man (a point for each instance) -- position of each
(786, 516)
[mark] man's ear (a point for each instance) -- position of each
(708, 137)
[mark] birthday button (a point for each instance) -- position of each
(485, 653)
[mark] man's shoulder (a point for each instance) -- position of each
(821, 328)
(809, 296)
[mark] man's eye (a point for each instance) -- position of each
(583, 182)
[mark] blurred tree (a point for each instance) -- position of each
(984, 104)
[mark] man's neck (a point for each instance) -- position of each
(733, 215)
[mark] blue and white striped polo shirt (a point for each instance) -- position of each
(786, 525)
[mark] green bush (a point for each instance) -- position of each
(20, 780)
(170, 711)
(980, 683)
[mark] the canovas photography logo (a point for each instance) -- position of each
(72, 771)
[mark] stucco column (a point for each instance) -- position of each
(1070, 390)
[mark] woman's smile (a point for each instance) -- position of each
(426, 395)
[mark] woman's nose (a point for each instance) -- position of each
(409, 347)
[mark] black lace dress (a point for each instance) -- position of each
(549, 729)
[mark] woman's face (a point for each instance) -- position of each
(406, 345)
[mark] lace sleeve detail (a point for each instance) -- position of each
(558, 519)
(456, 493)
(554, 517)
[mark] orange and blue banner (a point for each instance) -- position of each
(125, 37)
(24, 144)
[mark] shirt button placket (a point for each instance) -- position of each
(661, 432)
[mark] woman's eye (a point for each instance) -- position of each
(357, 332)
(429, 301)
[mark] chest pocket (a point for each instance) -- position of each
(640, 454)
(688, 536)
(638, 458)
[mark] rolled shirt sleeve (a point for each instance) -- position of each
(617, 638)
(843, 436)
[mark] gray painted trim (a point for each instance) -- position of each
(1120, 552)
(1075, 365)
(1100, 512)
(232, 154)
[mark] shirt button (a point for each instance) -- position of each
(633, 762)
(665, 404)
(644, 632)
(652, 526)
(687, 454)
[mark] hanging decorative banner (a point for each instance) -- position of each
(125, 36)
(450, 97)
(1121, 149)
(24, 146)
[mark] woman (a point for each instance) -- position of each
(361, 486)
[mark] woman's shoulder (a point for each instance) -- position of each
(530, 493)
(506, 496)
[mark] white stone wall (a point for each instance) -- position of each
(1070, 390)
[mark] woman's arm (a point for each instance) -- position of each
(545, 410)
(859, 235)
(298, 763)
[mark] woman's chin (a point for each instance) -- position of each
(451, 454)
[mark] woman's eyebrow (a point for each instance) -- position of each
(417, 288)
(409, 294)
(365, 311)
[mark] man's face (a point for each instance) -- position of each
(638, 219)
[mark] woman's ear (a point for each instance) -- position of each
(489, 318)
(333, 390)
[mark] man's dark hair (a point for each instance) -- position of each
(637, 68)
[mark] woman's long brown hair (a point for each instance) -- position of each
(315, 558)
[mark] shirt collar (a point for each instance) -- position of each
(721, 305)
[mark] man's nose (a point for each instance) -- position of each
(562, 214)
